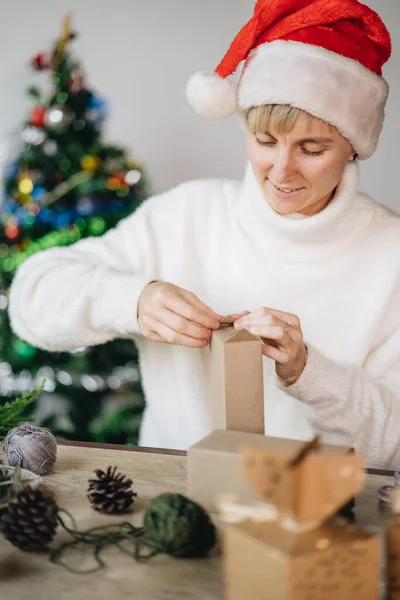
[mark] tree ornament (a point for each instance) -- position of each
(58, 118)
(111, 492)
(33, 135)
(40, 61)
(31, 447)
(60, 49)
(50, 148)
(37, 117)
(11, 230)
(25, 185)
(97, 110)
(115, 181)
(31, 520)
(90, 163)
(178, 526)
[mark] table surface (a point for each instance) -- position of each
(25, 576)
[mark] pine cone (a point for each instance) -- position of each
(111, 492)
(31, 520)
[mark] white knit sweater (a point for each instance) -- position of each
(338, 271)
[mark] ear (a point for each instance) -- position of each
(353, 157)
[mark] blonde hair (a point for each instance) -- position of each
(282, 116)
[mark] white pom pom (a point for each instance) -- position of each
(211, 95)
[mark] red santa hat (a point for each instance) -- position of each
(322, 56)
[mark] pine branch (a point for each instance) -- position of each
(11, 412)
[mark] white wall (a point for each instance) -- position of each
(139, 55)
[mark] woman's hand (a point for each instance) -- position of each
(170, 314)
(282, 339)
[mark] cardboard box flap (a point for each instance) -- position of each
(324, 484)
(304, 484)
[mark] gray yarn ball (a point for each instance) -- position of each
(31, 447)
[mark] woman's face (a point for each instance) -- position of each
(305, 164)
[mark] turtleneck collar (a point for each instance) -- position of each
(312, 237)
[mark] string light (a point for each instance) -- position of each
(11, 383)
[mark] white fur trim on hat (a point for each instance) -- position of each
(211, 95)
(338, 90)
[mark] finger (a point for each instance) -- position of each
(289, 318)
(236, 316)
(182, 325)
(276, 333)
(266, 321)
(277, 355)
(154, 337)
(295, 334)
(230, 319)
(197, 303)
(173, 337)
(181, 305)
(273, 328)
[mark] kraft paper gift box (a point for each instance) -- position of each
(393, 548)
(236, 379)
(214, 464)
(299, 557)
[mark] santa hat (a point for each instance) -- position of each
(322, 56)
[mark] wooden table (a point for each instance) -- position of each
(26, 576)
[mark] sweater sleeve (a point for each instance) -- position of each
(356, 406)
(87, 293)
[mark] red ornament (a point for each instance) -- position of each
(11, 231)
(119, 176)
(37, 116)
(40, 61)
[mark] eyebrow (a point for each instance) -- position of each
(310, 140)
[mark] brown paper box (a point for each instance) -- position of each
(262, 561)
(215, 464)
(236, 381)
(393, 560)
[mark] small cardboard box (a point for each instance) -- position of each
(215, 464)
(300, 556)
(263, 561)
(393, 560)
(236, 380)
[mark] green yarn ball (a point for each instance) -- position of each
(179, 527)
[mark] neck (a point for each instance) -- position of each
(319, 206)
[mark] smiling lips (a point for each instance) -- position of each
(284, 192)
(284, 189)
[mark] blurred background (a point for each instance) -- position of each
(93, 119)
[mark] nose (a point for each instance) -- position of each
(283, 170)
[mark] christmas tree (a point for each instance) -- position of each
(66, 184)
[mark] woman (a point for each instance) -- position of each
(295, 252)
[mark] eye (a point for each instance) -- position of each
(263, 143)
(312, 153)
